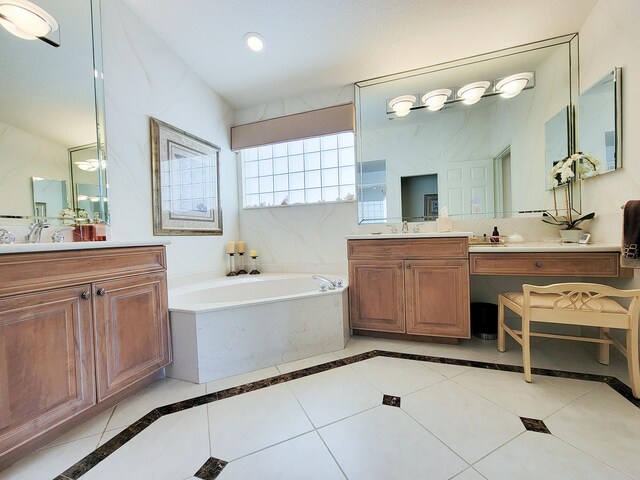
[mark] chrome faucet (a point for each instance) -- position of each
(392, 227)
(6, 236)
(331, 283)
(405, 227)
(416, 228)
(35, 231)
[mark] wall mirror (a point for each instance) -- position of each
(600, 124)
(52, 118)
(480, 157)
(557, 141)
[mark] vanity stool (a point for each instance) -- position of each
(583, 304)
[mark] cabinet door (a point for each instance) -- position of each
(46, 362)
(132, 332)
(376, 290)
(437, 297)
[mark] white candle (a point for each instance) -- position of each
(253, 253)
(240, 247)
(231, 247)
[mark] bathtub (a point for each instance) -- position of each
(233, 325)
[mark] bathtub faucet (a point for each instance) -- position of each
(332, 283)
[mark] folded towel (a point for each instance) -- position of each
(630, 257)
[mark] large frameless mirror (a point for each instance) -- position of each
(468, 135)
(52, 118)
(600, 125)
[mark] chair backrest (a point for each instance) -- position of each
(582, 299)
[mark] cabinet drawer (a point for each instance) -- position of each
(30, 272)
(408, 248)
(602, 264)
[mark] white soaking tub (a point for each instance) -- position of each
(233, 325)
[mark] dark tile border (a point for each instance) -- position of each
(211, 469)
(534, 425)
(391, 400)
(102, 452)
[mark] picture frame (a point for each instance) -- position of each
(430, 206)
(185, 182)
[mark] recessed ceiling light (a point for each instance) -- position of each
(254, 41)
(26, 20)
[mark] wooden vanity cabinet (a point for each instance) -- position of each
(416, 286)
(79, 331)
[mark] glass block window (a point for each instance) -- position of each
(318, 169)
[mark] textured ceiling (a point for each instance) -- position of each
(313, 45)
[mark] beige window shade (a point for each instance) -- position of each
(324, 121)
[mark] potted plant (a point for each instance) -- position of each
(570, 231)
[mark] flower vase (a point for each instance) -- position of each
(571, 236)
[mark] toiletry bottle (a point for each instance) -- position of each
(484, 238)
(495, 235)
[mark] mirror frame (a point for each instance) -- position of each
(571, 40)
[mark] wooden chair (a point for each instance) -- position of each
(583, 304)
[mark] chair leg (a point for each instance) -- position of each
(632, 360)
(526, 347)
(603, 348)
(501, 342)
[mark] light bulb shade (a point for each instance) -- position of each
(402, 105)
(435, 99)
(473, 92)
(26, 20)
(254, 41)
(512, 85)
(87, 165)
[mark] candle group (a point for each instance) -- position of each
(239, 248)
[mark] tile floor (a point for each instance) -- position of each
(376, 418)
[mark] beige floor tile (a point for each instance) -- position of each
(385, 443)
(51, 462)
(94, 426)
(307, 362)
(510, 391)
(469, 474)
(162, 392)
(466, 422)
(603, 424)
(303, 458)
(334, 394)
(396, 376)
(535, 456)
(241, 379)
(173, 447)
(252, 421)
(360, 344)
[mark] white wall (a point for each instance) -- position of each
(144, 77)
(610, 37)
(303, 237)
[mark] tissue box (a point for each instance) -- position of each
(444, 224)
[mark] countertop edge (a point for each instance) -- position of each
(67, 246)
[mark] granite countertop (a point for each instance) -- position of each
(55, 247)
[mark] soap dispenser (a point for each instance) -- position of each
(495, 236)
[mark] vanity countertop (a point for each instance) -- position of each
(53, 247)
(549, 247)
(400, 236)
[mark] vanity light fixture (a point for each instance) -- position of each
(435, 99)
(88, 165)
(254, 41)
(82, 197)
(512, 85)
(27, 20)
(402, 105)
(473, 92)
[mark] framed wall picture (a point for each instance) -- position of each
(186, 183)
(431, 206)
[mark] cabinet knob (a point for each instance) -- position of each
(407, 266)
(101, 292)
(538, 264)
(85, 295)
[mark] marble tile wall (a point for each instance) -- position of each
(144, 77)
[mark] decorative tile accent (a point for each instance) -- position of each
(211, 469)
(534, 425)
(391, 400)
(102, 452)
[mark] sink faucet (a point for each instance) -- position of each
(393, 228)
(416, 228)
(332, 283)
(6, 236)
(35, 231)
(405, 227)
